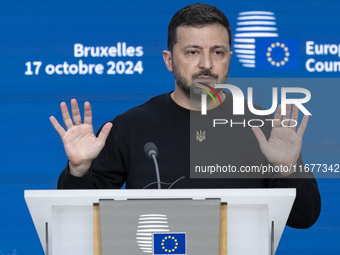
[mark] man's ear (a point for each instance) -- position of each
(167, 59)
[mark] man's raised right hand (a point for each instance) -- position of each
(80, 143)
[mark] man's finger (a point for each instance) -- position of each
(87, 113)
(303, 126)
(294, 117)
(75, 112)
(277, 117)
(288, 114)
(261, 138)
(66, 115)
(57, 126)
(104, 133)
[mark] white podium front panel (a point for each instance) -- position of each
(248, 230)
(266, 205)
(68, 224)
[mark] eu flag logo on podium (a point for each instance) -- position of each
(276, 53)
(169, 243)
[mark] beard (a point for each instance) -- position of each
(192, 91)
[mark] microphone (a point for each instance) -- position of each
(151, 151)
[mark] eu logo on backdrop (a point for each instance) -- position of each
(277, 53)
(169, 243)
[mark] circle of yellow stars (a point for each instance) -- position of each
(286, 52)
(171, 238)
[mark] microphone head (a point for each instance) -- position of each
(150, 149)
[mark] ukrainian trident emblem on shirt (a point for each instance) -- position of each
(200, 136)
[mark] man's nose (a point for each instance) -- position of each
(205, 61)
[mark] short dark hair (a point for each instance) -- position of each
(196, 15)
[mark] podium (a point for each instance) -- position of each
(64, 219)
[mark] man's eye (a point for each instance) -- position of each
(219, 52)
(192, 52)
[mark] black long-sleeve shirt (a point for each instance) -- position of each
(163, 122)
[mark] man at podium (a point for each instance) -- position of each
(199, 53)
